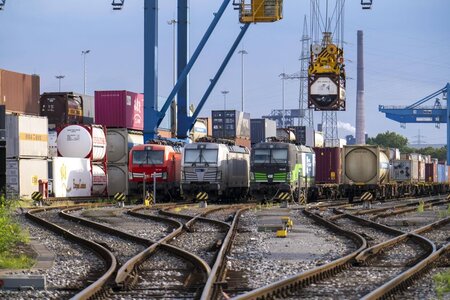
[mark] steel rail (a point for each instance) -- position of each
(97, 288)
(406, 210)
(282, 287)
(209, 289)
(405, 279)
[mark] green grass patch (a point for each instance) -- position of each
(11, 235)
(442, 282)
(420, 208)
(21, 261)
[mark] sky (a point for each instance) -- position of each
(406, 46)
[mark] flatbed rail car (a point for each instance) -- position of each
(215, 171)
(282, 171)
(162, 160)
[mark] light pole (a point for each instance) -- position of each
(173, 104)
(84, 52)
(283, 77)
(225, 99)
(59, 77)
(242, 52)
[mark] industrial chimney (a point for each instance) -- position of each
(360, 117)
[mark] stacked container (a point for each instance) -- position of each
(19, 92)
(26, 153)
(303, 135)
(261, 129)
(119, 143)
(84, 142)
(431, 172)
(233, 125)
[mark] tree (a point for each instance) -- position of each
(389, 139)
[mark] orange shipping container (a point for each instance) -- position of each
(19, 92)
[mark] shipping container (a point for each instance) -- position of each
(23, 175)
(431, 173)
(442, 173)
(303, 135)
(394, 153)
(88, 109)
(208, 122)
(319, 140)
(286, 135)
(421, 171)
(328, 165)
(82, 141)
(119, 109)
(119, 141)
(229, 124)
(61, 108)
(52, 145)
(26, 136)
(71, 177)
(261, 129)
(365, 164)
(245, 142)
(118, 179)
(200, 130)
(405, 170)
(19, 92)
(99, 180)
(164, 133)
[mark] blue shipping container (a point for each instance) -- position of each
(442, 173)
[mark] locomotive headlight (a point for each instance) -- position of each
(288, 176)
(164, 175)
(219, 175)
(252, 176)
(130, 175)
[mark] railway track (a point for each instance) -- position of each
(377, 264)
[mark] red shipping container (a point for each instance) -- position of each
(328, 165)
(431, 172)
(119, 109)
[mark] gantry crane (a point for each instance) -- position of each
(2, 4)
(419, 113)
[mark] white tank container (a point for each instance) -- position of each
(318, 139)
(199, 130)
(99, 180)
(71, 177)
(52, 145)
(119, 141)
(365, 164)
(26, 136)
(23, 175)
(117, 179)
(82, 141)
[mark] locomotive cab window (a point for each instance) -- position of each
(146, 157)
(200, 156)
(274, 156)
(279, 156)
(261, 156)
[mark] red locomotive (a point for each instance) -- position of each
(161, 161)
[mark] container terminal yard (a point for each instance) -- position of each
(197, 182)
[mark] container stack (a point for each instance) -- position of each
(80, 168)
(262, 129)
(233, 125)
(122, 113)
(26, 154)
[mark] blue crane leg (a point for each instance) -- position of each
(220, 71)
(448, 124)
(150, 69)
(182, 60)
(182, 78)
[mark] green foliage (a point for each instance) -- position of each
(389, 139)
(10, 234)
(420, 208)
(8, 261)
(442, 282)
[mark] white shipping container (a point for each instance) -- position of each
(23, 175)
(71, 177)
(119, 141)
(26, 136)
(118, 179)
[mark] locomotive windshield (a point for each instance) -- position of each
(274, 156)
(200, 156)
(148, 157)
